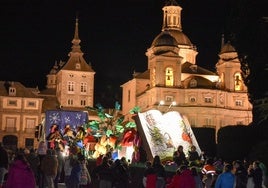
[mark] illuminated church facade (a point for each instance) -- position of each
(174, 82)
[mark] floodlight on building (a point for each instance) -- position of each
(161, 103)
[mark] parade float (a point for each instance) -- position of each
(153, 132)
(71, 131)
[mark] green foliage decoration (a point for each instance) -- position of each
(111, 122)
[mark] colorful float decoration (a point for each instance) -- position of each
(111, 133)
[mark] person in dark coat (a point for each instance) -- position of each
(256, 173)
(49, 167)
(193, 154)
(3, 163)
(74, 178)
(160, 172)
(149, 176)
(120, 173)
(104, 173)
(179, 156)
(241, 174)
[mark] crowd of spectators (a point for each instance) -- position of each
(199, 171)
(42, 168)
(45, 167)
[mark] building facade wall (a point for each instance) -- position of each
(19, 117)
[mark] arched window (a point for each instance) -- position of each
(193, 83)
(169, 77)
(238, 81)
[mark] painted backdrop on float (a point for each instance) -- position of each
(165, 132)
(62, 118)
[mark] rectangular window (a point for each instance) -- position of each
(70, 87)
(83, 87)
(30, 123)
(208, 100)
(70, 102)
(10, 124)
(12, 103)
(169, 98)
(83, 102)
(238, 103)
(31, 104)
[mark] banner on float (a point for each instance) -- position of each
(61, 118)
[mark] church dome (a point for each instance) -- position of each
(171, 38)
(164, 39)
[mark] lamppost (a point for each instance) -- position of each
(171, 104)
(161, 103)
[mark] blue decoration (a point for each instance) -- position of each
(115, 155)
(80, 144)
(62, 118)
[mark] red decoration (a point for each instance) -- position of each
(129, 137)
(89, 138)
(186, 137)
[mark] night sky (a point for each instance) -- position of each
(115, 35)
